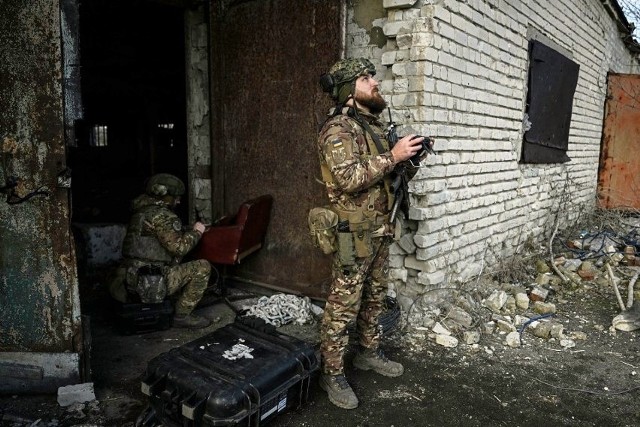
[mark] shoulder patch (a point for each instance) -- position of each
(338, 155)
(177, 225)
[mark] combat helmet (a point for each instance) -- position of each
(339, 81)
(164, 184)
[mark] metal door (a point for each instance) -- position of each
(619, 173)
(41, 332)
(267, 107)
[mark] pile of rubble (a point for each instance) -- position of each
(504, 312)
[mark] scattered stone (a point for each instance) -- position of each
(567, 343)
(522, 300)
(520, 320)
(471, 337)
(75, 393)
(460, 316)
(573, 276)
(489, 327)
(616, 258)
(542, 266)
(544, 278)
(540, 329)
(557, 330)
(440, 330)
(505, 326)
(544, 307)
(428, 322)
(572, 264)
(559, 260)
(627, 321)
(496, 301)
(446, 340)
(587, 271)
(510, 306)
(513, 339)
(496, 317)
(574, 244)
(577, 335)
(538, 294)
(630, 255)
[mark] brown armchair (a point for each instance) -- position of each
(232, 238)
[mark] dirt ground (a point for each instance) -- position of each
(595, 383)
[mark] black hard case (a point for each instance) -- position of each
(137, 318)
(196, 385)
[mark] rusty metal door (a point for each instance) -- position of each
(40, 323)
(267, 58)
(619, 172)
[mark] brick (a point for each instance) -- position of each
(388, 58)
(392, 29)
(407, 244)
(435, 278)
(398, 4)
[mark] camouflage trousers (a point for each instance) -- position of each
(191, 279)
(357, 294)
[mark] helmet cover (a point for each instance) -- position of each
(345, 72)
(164, 184)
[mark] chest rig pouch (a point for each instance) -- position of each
(355, 231)
(357, 226)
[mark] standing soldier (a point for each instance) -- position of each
(154, 246)
(358, 168)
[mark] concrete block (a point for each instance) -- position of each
(76, 393)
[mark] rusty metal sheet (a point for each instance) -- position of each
(38, 287)
(273, 52)
(619, 171)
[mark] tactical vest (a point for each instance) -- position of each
(140, 243)
(359, 129)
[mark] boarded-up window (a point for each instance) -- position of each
(552, 84)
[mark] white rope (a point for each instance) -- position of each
(281, 309)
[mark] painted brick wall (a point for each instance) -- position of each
(457, 70)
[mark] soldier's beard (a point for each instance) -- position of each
(374, 101)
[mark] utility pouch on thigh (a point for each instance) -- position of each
(346, 251)
(151, 285)
(360, 227)
(322, 227)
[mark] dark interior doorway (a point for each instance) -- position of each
(133, 93)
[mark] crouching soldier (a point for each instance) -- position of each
(152, 251)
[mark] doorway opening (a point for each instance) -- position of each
(132, 59)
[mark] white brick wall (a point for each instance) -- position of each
(458, 71)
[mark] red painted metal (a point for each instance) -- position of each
(619, 174)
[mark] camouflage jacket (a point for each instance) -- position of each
(155, 233)
(356, 175)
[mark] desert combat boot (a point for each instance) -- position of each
(191, 321)
(374, 359)
(339, 391)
